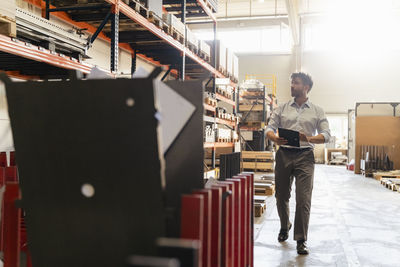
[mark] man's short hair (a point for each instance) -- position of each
(306, 78)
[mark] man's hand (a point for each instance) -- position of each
(303, 137)
(276, 139)
(280, 141)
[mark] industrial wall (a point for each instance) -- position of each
(280, 65)
(340, 80)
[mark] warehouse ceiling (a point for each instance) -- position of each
(254, 8)
(249, 8)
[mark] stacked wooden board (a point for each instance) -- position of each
(260, 205)
(263, 188)
(258, 161)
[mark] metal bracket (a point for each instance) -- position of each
(166, 74)
(99, 29)
(155, 73)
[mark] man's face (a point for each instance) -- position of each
(298, 88)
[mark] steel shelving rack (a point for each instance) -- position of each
(124, 28)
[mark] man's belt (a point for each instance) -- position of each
(293, 149)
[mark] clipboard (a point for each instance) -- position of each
(293, 137)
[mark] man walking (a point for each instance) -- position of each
(299, 114)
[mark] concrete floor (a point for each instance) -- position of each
(354, 221)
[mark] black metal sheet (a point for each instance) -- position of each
(97, 132)
(184, 159)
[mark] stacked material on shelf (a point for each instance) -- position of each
(192, 41)
(235, 68)
(7, 9)
(209, 134)
(204, 50)
(224, 135)
(213, 4)
(258, 160)
(175, 24)
(229, 61)
(220, 53)
(7, 18)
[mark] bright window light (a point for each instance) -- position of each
(261, 40)
(356, 25)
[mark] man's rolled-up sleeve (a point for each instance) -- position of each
(323, 126)
(275, 120)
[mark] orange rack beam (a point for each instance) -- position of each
(15, 47)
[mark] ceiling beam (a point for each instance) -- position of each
(294, 20)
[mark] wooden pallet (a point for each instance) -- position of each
(210, 101)
(177, 35)
(224, 93)
(257, 156)
(203, 55)
(391, 183)
(192, 47)
(222, 70)
(259, 209)
(141, 9)
(263, 189)
(8, 26)
(244, 107)
(260, 199)
(391, 174)
(156, 20)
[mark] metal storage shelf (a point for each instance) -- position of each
(28, 59)
(219, 121)
(209, 108)
(226, 100)
(155, 44)
(144, 39)
(194, 8)
(218, 145)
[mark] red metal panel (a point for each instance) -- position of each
(2, 178)
(243, 220)
(251, 217)
(11, 226)
(192, 214)
(3, 159)
(225, 223)
(206, 245)
(11, 174)
(216, 208)
(250, 230)
(12, 158)
(236, 221)
(230, 225)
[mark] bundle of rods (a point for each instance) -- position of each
(376, 158)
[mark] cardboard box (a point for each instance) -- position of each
(175, 23)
